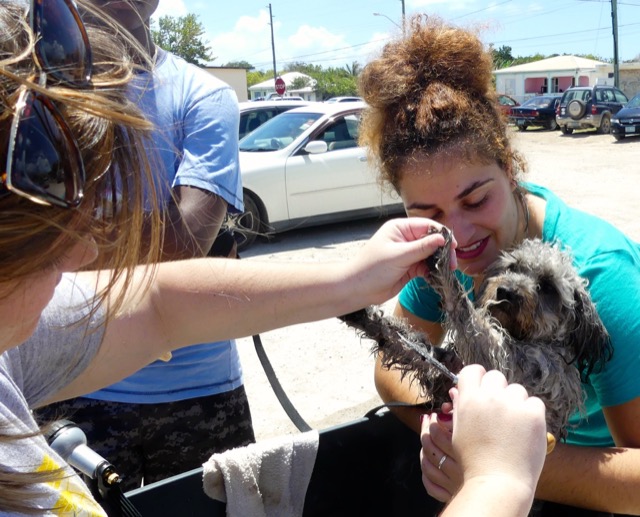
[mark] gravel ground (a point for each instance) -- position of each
(324, 367)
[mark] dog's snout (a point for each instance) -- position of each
(504, 294)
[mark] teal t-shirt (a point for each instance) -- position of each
(610, 261)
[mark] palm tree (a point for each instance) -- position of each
(353, 70)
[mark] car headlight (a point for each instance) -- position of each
(615, 121)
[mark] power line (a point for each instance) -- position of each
(324, 54)
(498, 42)
(481, 10)
(565, 33)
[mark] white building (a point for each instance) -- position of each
(628, 75)
(552, 75)
(234, 77)
(267, 88)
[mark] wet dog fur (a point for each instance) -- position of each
(533, 320)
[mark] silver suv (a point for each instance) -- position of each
(585, 107)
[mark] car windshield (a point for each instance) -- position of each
(506, 101)
(633, 103)
(539, 102)
(278, 132)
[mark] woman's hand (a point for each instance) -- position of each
(499, 433)
(395, 255)
(441, 472)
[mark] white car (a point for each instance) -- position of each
(255, 113)
(345, 99)
(304, 168)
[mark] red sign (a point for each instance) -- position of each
(280, 86)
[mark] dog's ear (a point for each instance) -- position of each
(588, 337)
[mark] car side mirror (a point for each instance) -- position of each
(316, 147)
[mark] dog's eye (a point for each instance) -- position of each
(545, 286)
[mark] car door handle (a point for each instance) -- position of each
(362, 158)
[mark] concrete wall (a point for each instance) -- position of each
(629, 75)
(234, 77)
(630, 82)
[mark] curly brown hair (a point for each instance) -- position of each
(431, 93)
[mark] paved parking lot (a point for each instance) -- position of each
(324, 367)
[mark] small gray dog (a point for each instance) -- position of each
(533, 320)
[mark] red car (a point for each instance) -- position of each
(506, 103)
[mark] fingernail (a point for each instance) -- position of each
(445, 417)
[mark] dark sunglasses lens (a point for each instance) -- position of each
(62, 45)
(45, 162)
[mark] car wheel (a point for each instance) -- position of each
(246, 226)
(618, 137)
(552, 125)
(576, 109)
(605, 125)
(522, 127)
(566, 130)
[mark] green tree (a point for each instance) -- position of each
(257, 76)
(528, 59)
(300, 66)
(502, 57)
(299, 82)
(596, 58)
(334, 82)
(182, 36)
(354, 69)
(240, 64)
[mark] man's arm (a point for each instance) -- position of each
(193, 222)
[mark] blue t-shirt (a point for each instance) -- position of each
(196, 142)
(610, 261)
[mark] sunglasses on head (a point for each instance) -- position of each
(44, 163)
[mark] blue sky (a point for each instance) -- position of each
(339, 32)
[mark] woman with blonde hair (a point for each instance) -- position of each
(436, 131)
(68, 139)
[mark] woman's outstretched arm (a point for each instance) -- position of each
(203, 300)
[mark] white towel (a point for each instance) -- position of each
(266, 479)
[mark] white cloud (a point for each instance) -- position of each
(313, 38)
(170, 8)
(250, 40)
(452, 4)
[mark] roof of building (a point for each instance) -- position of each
(553, 64)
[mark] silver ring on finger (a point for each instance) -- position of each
(441, 462)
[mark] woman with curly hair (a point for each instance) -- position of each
(435, 130)
(68, 141)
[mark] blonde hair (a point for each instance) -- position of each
(431, 93)
(110, 132)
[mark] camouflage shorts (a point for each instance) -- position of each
(156, 441)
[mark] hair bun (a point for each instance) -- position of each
(432, 54)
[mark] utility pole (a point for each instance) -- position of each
(403, 25)
(614, 24)
(273, 47)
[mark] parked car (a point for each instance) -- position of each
(287, 98)
(274, 96)
(254, 114)
(303, 168)
(627, 121)
(584, 107)
(507, 103)
(537, 111)
(345, 99)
